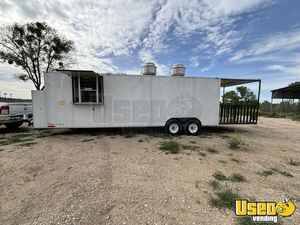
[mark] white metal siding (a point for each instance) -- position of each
(39, 109)
(133, 101)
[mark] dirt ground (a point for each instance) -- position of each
(102, 177)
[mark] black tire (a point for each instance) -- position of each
(173, 127)
(192, 127)
(14, 125)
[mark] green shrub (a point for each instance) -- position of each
(215, 184)
(18, 138)
(283, 173)
(130, 135)
(218, 175)
(276, 115)
(234, 141)
(287, 174)
(271, 171)
(235, 160)
(266, 173)
(172, 147)
(87, 140)
(296, 118)
(202, 154)
(225, 199)
(212, 150)
(237, 177)
(189, 147)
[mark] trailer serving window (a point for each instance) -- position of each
(87, 89)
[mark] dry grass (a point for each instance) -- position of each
(294, 161)
(14, 139)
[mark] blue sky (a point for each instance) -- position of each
(212, 38)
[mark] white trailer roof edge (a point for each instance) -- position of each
(225, 82)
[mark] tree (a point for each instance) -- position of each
(240, 95)
(265, 107)
(294, 83)
(245, 94)
(231, 97)
(35, 48)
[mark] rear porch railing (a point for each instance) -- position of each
(238, 114)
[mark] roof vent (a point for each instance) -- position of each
(177, 70)
(149, 69)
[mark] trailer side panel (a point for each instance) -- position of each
(133, 101)
(40, 119)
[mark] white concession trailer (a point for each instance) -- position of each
(85, 99)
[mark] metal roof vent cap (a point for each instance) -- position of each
(149, 69)
(178, 70)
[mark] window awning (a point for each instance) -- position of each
(289, 92)
(227, 82)
(77, 72)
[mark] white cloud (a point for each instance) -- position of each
(147, 56)
(208, 67)
(232, 7)
(98, 28)
(271, 82)
(194, 61)
(102, 29)
(270, 48)
(277, 54)
(293, 70)
(18, 89)
(10, 85)
(212, 19)
(89, 62)
(7, 72)
(115, 27)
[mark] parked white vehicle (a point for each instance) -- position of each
(13, 114)
(85, 99)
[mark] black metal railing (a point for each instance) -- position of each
(238, 114)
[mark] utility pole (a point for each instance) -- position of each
(5, 95)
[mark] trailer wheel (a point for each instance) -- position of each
(173, 127)
(14, 125)
(192, 127)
